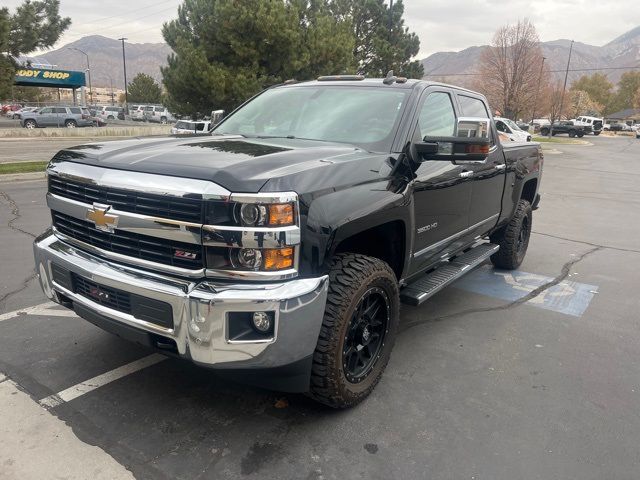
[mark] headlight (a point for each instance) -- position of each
(266, 259)
(271, 215)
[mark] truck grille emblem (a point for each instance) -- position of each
(101, 219)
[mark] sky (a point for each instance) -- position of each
(442, 25)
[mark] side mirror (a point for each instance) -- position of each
(216, 117)
(471, 143)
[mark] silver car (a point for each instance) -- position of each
(70, 117)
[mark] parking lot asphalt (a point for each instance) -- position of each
(530, 375)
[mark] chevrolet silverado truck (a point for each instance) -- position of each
(278, 249)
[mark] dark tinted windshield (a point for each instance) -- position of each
(362, 116)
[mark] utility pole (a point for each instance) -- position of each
(535, 101)
(390, 18)
(124, 64)
(88, 70)
(566, 75)
(111, 84)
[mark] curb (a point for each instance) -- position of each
(17, 177)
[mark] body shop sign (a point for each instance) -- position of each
(40, 77)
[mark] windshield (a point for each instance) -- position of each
(361, 116)
(512, 125)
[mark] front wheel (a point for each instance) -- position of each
(513, 238)
(572, 134)
(544, 132)
(358, 330)
(30, 124)
(163, 120)
(580, 134)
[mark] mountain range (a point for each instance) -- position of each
(105, 55)
(623, 51)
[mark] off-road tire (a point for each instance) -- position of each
(350, 277)
(512, 248)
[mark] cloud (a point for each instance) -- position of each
(442, 25)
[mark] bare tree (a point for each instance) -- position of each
(510, 69)
(553, 96)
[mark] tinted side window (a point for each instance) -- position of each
(472, 107)
(46, 110)
(59, 110)
(76, 110)
(199, 127)
(159, 109)
(437, 116)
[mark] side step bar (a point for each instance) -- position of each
(420, 290)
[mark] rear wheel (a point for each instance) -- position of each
(513, 238)
(572, 133)
(30, 124)
(70, 124)
(544, 132)
(110, 117)
(580, 134)
(596, 133)
(163, 120)
(358, 330)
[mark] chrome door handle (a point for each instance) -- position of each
(502, 166)
(466, 174)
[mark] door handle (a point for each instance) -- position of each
(502, 166)
(466, 174)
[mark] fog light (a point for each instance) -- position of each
(262, 321)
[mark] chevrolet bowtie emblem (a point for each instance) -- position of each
(102, 220)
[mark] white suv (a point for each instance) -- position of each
(158, 113)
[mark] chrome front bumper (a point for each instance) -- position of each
(200, 308)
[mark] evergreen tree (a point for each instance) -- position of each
(34, 25)
(144, 89)
(228, 50)
(377, 48)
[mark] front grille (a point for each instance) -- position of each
(107, 296)
(144, 247)
(164, 206)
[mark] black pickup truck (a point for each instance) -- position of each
(279, 248)
(565, 126)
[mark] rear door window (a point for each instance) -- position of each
(472, 107)
(59, 110)
(76, 110)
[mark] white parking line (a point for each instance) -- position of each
(35, 310)
(101, 380)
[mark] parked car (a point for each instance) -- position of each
(8, 109)
(523, 126)
(183, 127)
(615, 127)
(565, 126)
(595, 123)
(70, 117)
(17, 115)
(136, 112)
(511, 130)
(297, 228)
(157, 113)
(110, 113)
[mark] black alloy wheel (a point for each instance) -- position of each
(365, 335)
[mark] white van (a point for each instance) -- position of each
(511, 130)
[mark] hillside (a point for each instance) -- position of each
(621, 52)
(105, 55)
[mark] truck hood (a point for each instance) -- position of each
(239, 164)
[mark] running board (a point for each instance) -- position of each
(420, 290)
